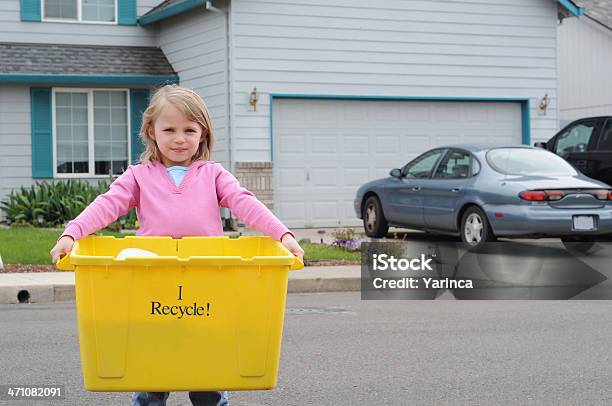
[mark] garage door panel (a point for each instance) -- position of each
(326, 149)
(292, 145)
(324, 177)
(326, 144)
(325, 210)
(292, 212)
(387, 144)
(356, 145)
(292, 178)
(355, 177)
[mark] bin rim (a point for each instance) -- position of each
(73, 258)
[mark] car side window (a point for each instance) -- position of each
(455, 165)
(475, 167)
(423, 165)
(605, 139)
(575, 138)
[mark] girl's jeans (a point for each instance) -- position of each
(197, 398)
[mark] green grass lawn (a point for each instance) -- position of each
(320, 252)
(25, 245)
(32, 245)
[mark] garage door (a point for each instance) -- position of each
(325, 149)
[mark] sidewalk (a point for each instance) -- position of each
(51, 287)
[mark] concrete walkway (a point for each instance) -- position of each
(50, 287)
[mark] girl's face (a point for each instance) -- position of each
(177, 137)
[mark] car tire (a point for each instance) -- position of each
(475, 229)
(374, 222)
(580, 244)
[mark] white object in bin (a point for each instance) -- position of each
(135, 253)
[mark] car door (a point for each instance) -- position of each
(404, 193)
(576, 143)
(600, 158)
(443, 194)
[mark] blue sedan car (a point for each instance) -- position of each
(481, 193)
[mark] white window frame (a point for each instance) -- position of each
(79, 19)
(90, 130)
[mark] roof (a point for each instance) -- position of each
(169, 8)
(598, 10)
(21, 60)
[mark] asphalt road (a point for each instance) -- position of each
(340, 350)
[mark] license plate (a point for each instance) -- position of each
(584, 223)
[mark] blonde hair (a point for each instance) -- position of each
(191, 105)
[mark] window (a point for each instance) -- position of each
(80, 10)
(527, 161)
(422, 166)
(605, 139)
(575, 138)
(90, 132)
(455, 165)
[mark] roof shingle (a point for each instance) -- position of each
(82, 59)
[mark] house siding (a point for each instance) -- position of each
(584, 66)
(15, 139)
(483, 48)
(195, 44)
(12, 29)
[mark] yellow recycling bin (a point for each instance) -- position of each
(205, 313)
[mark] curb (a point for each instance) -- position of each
(62, 292)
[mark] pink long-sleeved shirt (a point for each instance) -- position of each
(164, 209)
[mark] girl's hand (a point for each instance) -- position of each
(292, 245)
(63, 247)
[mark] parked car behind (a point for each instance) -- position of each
(587, 145)
(481, 193)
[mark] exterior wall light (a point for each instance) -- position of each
(254, 96)
(544, 103)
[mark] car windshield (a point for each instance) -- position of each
(524, 161)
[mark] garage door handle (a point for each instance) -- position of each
(456, 189)
(416, 188)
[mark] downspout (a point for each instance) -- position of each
(228, 93)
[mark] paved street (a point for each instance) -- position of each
(338, 349)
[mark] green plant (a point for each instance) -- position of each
(344, 234)
(56, 203)
(345, 238)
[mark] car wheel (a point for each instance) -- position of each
(374, 221)
(581, 244)
(475, 229)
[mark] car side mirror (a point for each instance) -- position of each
(396, 173)
(540, 145)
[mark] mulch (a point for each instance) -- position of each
(23, 268)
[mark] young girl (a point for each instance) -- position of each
(177, 192)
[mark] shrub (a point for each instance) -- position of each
(54, 204)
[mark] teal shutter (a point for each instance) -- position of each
(139, 100)
(42, 133)
(126, 10)
(30, 10)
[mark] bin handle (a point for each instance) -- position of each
(64, 263)
(297, 264)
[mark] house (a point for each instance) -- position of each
(309, 99)
(585, 58)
